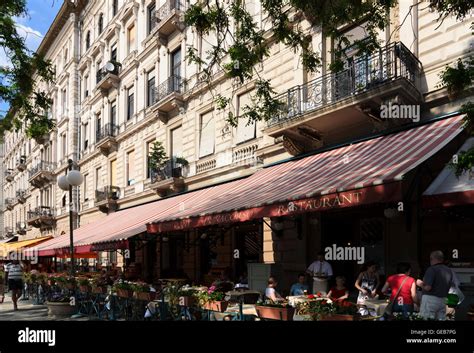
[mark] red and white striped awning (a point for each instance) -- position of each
(370, 171)
(448, 189)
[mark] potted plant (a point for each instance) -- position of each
(98, 285)
(275, 311)
(187, 296)
(60, 305)
(84, 284)
(124, 289)
(212, 300)
(157, 158)
(142, 291)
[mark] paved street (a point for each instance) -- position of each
(27, 311)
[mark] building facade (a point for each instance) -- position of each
(123, 82)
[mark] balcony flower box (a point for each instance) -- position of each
(337, 317)
(275, 312)
(145, 296)
(99, 290)
(125, 293)
(187, 301)
(220, 306)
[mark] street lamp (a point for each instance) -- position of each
(66, 182)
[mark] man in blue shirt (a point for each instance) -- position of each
(300, 287)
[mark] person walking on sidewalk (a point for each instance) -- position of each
(2, 284)
(15, 281)
(436, 283)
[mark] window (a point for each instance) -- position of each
(85, 192)
(113, 52)
(113, 172)
(100, 24)
(88, 40)
(131, 168)
(86, 135)
(86, 86)
(149, 148)
(177, 142)
(98, 66)
(245, 129)
(130, 103)
(64, 101)
(151, 17)
(150, 89)
(66, 56)
(98, 178)
(98, 126)
(114, 7)
(207, 137)
(64, 145)
(176, 63)
(113, 115)
(131, 38)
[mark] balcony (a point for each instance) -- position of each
(41, 174)
(169, 96)
(105, 138)
(21, 196)
(41, 217)
(108, 76)
(168, 179)
(9, 232)
(9, 203)
(9, 175)
(21, 228)
(170, 18)
(351, 97)
(106, 198)
(21, 165)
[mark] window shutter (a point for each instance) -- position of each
(245, 130)
(207, 138)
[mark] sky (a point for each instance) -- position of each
(41, 14)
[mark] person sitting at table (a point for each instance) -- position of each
(300, 287)
(339, 292)
(367, 283)
(403, 283)
(271, 293)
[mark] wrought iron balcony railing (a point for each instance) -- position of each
(108, 192)
(108, 130)
(112, 67)
(21, 227)
(42, 167)
(21, 164)
(41, 211)
(171, 84)
(171, 169)
(360, 75)
(166, 9)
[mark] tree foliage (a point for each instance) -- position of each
(18, 88)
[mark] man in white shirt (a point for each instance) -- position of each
(321, 271)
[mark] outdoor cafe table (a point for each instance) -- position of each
(376, 307)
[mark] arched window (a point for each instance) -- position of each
(88, 39)
(101, 23)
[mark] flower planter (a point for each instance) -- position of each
(219, 306)
(145, 296)
(85, 289)
(187, 301)
(99, 290)
(125, 293)
(337, 317)
(61, 310)
(275, 313)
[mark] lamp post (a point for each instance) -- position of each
(66, 182)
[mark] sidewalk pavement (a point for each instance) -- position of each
(28, 312)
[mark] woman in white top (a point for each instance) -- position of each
(271, 293)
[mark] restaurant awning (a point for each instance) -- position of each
(449, 190)
(5, 248)
(360, 173)
(369, 171)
